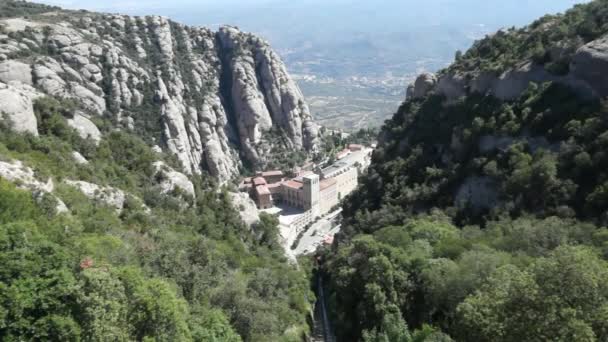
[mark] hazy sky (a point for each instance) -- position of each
(290, 23)
(149, 6)
(176, 6)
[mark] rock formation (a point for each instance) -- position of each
(85, 128)
(14, 171)
(107, 195)
(590, 63)
(16, 106)
(171, 180)
(423, 85)
(587, 76)
(213, 99)
(248, 210)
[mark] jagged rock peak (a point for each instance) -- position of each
(423, 85)
(213, 99)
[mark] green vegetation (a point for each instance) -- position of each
(544, 153)
(332, 143)
(526, 279)
(15, 8)
(280, 153)
(186, 270)
(483, 220)
(549, 41)
(543, 157)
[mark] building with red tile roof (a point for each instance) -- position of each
(272, 176)
(259, 181)
(264, 197)
(312, 192)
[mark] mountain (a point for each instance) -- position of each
(119, 138)
(356, 76)
(214, 99)
(483, 214)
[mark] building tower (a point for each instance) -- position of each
(312, 194)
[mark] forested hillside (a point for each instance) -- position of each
(482, 217)
(105, 233)
(166, 267)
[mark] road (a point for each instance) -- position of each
(317, 233)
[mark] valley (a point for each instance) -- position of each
(367, 171)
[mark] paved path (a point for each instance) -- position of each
(317, 233)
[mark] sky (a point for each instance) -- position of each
(141, 7)
(359, 32)
(276, 16)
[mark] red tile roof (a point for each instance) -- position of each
(262, 190)
(259, 181)
(293, 184)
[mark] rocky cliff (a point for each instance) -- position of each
(213, 99)
(504, 64)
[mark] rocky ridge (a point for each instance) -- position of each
(210, 98)
(587, 65)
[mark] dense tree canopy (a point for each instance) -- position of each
(179, 269)
(481, 219)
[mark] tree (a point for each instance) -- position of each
(155, 311)
(15, 205)
(562, 297)
(38, 288)
(102, 306)
(392, 329)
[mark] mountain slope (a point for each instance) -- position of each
(104, 235)
(566, 49)
(483, 211)
(211, 98)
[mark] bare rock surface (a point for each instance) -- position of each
(171, 180)
(110, 196)
(210, 98)
(587, 76)
(85, 127)
(423, 85)
(12, 70)
(16, 104)
(590, 63)
(79, 158)
(478, 193)
(247, 209)
(25, 178)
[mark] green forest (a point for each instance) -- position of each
(166, 268)
(481, 219)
